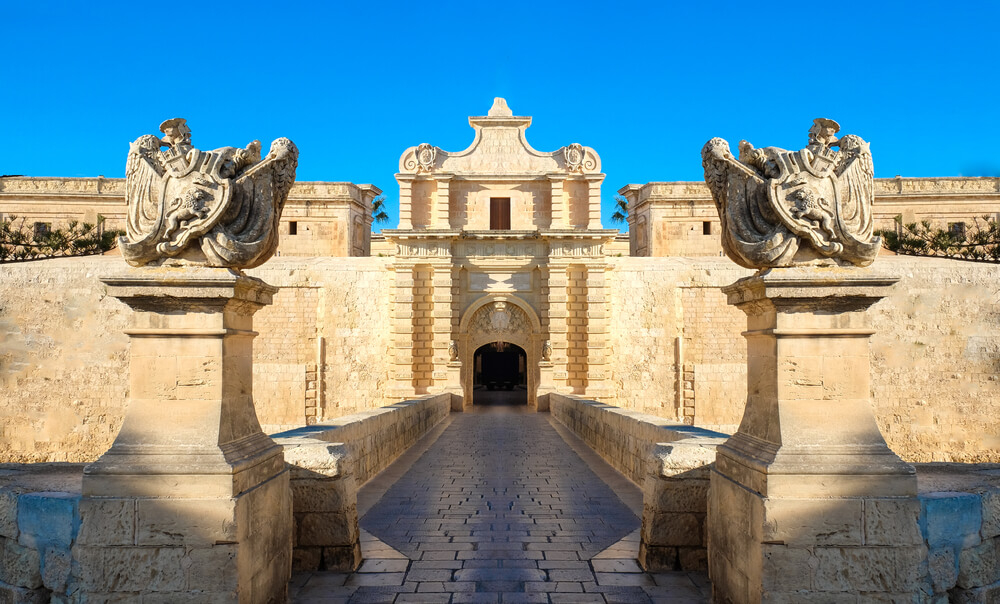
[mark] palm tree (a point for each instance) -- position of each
(379, 215)
(621, 211)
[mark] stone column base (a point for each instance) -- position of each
(807, 502)
(192, 501)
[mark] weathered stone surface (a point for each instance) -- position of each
(950, 519)
(107, 522)
(326, 529)
(991, 514)
(803, 522)
(12, 594)
(869, 569)
(57, 565)
(216, 208)
(20, 566)
(892, 522)
(48, 519)
(979, 566)
(192, 522)
(978, 595)
(781, 208)
(8, 513)
(133, 569)
(942, 568)
(212, 569)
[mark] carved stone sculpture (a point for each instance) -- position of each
(547, 350)
(786, 208)
(212, 208)
(453, 350)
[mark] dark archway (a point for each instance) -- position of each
(500, 375)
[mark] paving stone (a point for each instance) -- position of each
(498, 510)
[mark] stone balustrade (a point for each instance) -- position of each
(671, 462)
(328, 463)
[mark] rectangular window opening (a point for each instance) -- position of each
(957, 229)
(42, 229)
(706, 227)
(293, 228)
(500, 213)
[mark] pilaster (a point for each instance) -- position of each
(405, 201)
(594, 201)
(560, 202)
(440, 217)
(558, 316)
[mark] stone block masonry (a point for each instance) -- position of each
(674, 350)
(669, 460)
(328, 463)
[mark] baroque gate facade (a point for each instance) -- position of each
(500, 243)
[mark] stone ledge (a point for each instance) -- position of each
(329, 461)
(669, 460)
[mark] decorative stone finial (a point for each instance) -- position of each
(787, 208)
(500, 108)
(211, 208)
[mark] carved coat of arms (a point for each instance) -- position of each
(215, 208)
(784, 208)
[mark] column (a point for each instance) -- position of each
(192, 501)
(806, 498)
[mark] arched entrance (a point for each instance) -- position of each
(505, 321)
(500, 374)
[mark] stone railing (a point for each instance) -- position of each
(669, 460)
(328, 463)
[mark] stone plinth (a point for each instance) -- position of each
(192, 501)
(807, 498)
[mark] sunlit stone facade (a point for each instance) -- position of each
(500, 248)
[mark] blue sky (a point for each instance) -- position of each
(645, 84)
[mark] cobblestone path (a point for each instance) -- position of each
(500, 505)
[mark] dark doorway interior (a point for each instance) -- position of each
(500, 376)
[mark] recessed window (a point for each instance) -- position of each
(42, 229)
(706, 228)
(293, 228)
(957, 229)
(500, 213)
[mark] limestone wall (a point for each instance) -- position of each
(934, 359)
(63, 354)
(671, 463)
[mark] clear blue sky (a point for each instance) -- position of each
(356, 83)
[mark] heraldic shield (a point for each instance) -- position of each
(214, 208)
(784, 208)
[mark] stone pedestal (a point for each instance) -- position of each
(454, 385)
(192, 501)
(546, 384)
(807, 502)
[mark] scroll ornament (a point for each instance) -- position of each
(211, 208)
(789, 208)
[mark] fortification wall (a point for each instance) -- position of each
(678, 353)
(64, 363)
(324, 351)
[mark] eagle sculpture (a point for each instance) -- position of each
(215, 208)
(785, 208)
